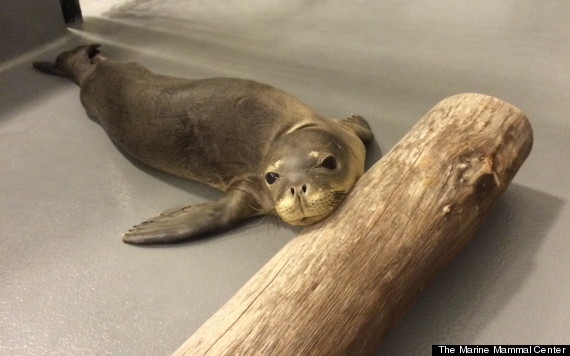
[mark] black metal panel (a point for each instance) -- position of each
(71, 11)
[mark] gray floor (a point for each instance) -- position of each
(69, 286)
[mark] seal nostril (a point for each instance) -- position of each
(292, 191)
(304, 188)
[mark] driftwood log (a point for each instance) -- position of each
(338, 286)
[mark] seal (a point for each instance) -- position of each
(269, 152)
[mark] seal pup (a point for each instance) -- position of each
(269, 153)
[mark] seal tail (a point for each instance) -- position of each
(74, 64)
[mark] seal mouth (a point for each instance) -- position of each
(307, 220)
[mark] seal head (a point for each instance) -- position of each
(309, 172)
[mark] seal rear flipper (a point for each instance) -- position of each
(193, 221)
(50, 68)
(76, 64)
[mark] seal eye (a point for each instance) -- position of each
(271, 177)
(329, 163)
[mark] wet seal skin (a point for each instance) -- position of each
(269, 153)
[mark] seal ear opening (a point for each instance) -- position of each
(50, 68)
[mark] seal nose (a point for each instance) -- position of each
(298, 190)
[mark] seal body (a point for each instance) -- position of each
(216, 131)
(268, 151)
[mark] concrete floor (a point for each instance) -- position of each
(69, 286)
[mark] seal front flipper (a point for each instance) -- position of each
(193, 221)
(359, 126)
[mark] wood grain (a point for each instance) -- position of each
(337, 287)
